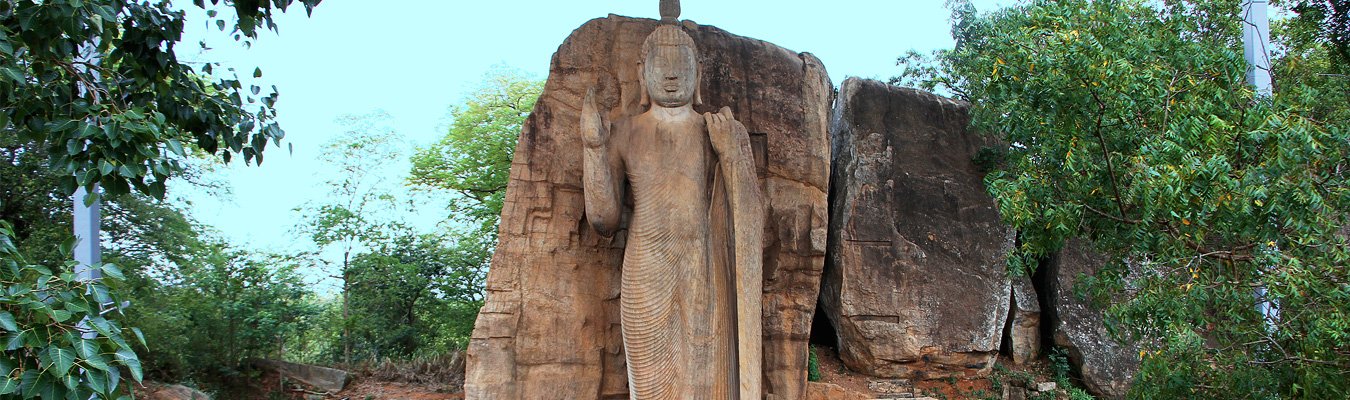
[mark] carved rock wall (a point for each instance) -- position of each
(916, 283)
(550, 326)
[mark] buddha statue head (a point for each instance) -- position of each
(669, 68)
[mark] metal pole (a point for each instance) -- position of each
(1256, 45)
(88, 218)
(1256, 49)
(88, 251)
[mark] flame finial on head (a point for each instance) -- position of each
(670, 11)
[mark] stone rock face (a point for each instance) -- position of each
(916, 284)
(549, 328)
(1106, 366)
(830, 391)
(1024, 322)
(159, 391)
(321, 378)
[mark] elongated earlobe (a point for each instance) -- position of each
(698, 83)
(644, 99)
(698, 93)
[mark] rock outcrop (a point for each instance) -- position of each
(549, 328)
(325, 379)
(1107, 367)
(916, 285)
(1024, 322)
(830, 391)
(160, 391)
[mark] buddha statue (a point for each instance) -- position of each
(691, 279)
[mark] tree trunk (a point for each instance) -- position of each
(346, 312)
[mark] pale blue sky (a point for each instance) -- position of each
(414, 59)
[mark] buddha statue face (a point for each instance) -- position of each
(670, 68)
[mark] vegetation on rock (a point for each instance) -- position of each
(1130, 123)
(473, 160)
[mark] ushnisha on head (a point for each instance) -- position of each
(670, 11)
(670, 68)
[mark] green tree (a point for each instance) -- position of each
(474, 158)
(98, 84)
(348, 221)
(95, 87)
(1129, 123)
(1324, 22)
(473, 161)
(220, 307)
(1313, 57)
(408, 294)
(30, 202)
(59, 340)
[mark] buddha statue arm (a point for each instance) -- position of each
(731, 142)
(601, 170)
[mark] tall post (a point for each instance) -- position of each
(88, 251)
(88, 247)
(1256, 45)
(1256, 49)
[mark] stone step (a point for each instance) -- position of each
(891, 386)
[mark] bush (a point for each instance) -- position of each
(812, 365)
(57, 341)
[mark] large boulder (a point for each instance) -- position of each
(1106, 366)
(161, 391)
(549, 328)
(916, 284)
(330, 380)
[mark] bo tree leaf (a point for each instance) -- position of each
(90, 356)
(14, 341)
(7, 322)
(97, 380)
(133, 363)
(9, 385)
(140, 337)
(112, 270)
(62, 359)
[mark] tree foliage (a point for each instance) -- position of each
(359, 158)
(98, 84)
(205, 307)
(92, 93)
(409, 294)
(1324, 22)
(347, 222)
(403, 293)
(1129, 123)
(474, 157)
(28, 202)
(58, 342)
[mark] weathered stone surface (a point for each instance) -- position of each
(1011, 392)
(830, 391)
(916, 285)
(1106, 366)
(321, 378)
(1024, 322)
(550, 326)
(159, 391)
(1045, 386)
(890, 386)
